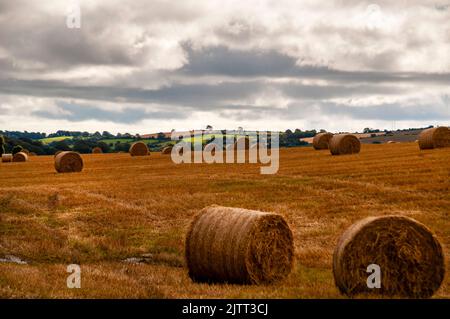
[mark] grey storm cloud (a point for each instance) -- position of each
(385, 111)
(224, 61)
(234, 61)
(76, 113)
(190, 95)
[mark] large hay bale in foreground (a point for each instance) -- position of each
(139, 149)
(20, 157)
(7, 158)
(344, 144)
(409, 255)
(321, 141)
(68, 162)
(167, 150)
(434, 138)
(97, 150)
(57, 153)
(239, 246)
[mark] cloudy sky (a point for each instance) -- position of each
(154, 65)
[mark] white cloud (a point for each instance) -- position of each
(171, 58)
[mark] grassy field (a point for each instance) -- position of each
(121, 207)
(49, 140)
(128, 140)
(108, 141)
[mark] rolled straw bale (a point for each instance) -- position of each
(32, 154)
(139, 149)
(97, 150)
(344, 144)
(321, 141)
(236, 245)
(409, 255)
(57, 153)
(24, 150)
(434, 138)
(68, 162)
(391, 142)
(20, 157)
(7, 158)
(167, 150)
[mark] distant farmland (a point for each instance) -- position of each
(121, 207)
(108, 141)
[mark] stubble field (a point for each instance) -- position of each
(121, 207)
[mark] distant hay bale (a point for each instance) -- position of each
(68, 162)
(391, 142)
(167, 150)
(97, 150)
(236, 245)
(434, 138)
(410, 257)
(7, 158)
(24, 150)
(32, 154)
(344, 144)
(321, 141)
(139, 149)
(20, 157)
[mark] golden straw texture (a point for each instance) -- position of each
(236, 245)
(409, 255)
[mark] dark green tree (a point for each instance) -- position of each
(2, 145)
(16, 149)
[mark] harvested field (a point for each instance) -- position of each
(121, 207)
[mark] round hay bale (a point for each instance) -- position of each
(24, 150)
(20, 157)
(434, 138)
(167, 150)
(7, 158)
(139, 149)
(57, 153)
(391, 142)
(97, 150)
(32, 154)
(344, 144)
(68, 162)
(410, 257)
(321, 141)
(236, 245)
